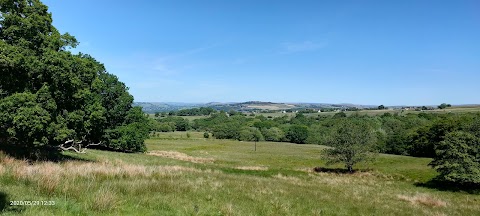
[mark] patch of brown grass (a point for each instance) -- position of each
(423, 199)
(228, 209)
(307, 170)
(262, 168)
(290, 179)
(180, 156)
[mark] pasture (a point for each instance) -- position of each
(182, 175)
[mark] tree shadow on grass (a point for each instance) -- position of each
(3, 201)
(451, 187)
(33, 155)
(5, 204)
(338, 170)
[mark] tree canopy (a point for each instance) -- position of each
(49, 95)
(458, 158)
(352, 141)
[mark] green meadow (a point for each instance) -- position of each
(191, 175)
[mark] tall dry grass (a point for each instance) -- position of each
(105, 200)
(49, 178)
(24, 171)
(181, 156)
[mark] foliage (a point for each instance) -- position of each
(458, 158)
(195, 111)
(273, 134)
(340, 115)
(229, 130)
(352, 141)
(444, 105)
(175, 123)
(297, 134)
(50, 95)
(425, 138)
(250, 134)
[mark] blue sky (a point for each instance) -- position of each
(411, 52)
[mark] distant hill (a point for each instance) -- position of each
(152, 107)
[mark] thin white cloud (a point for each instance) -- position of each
(303, 46)
(167, 65)
(155, 84)
(161, 68)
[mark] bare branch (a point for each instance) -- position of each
(79, 148)
(72, 148)
(93, 144)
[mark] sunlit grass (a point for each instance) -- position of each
(277, 179)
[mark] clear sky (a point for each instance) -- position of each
(409, 52)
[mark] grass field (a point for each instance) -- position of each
(467, 109)
(191, 118)
(474, 109)
(197, 176)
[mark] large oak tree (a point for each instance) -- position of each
(49, 95)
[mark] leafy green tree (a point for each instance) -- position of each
(25, 118)
(229, 130)
(340, 115)
(444, 105)
(50, 95)
(423, 140)
(352, 141)
(264, 123)
(182, 124)
(250, 134)
(177, 123)
(297, 134)
(397, 135)
(166, 127)
(458, 158)
(301, 119)
(318, 133)
(474, 126)
(273, 134)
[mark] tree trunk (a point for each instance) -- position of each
(350, 168)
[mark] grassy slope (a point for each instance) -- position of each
(275, 180)
(474, 109)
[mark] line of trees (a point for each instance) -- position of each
(202, 111)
